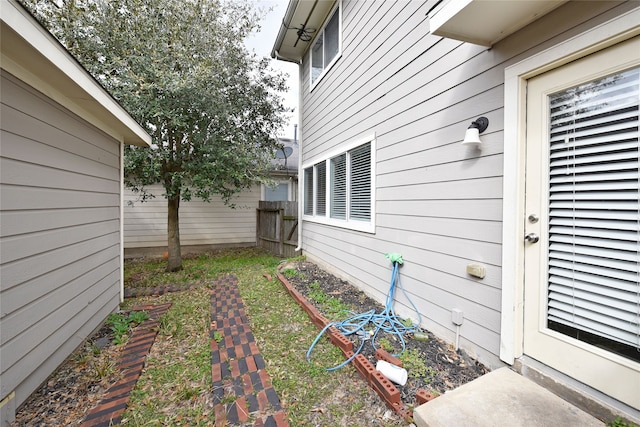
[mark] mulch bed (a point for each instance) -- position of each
(453, 368)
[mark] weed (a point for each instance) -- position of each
(104, 369)
(291, 272)
(188, 393)
(407, 322)
(228, 399)
(619, 422)
(81, 357)
(385, 344)
(137, 317)
(120, 324)
(413, 362)
(332, 307)
(336, 309)
(217, 336)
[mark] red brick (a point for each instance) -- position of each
(364, 367)
(251, 364)
(423, 396)
(263, 402)
(221, 415)
(281, 420)
(228, 340)
(224, 356)
(239, 351)
(214, 345)
(110, 404)
(241, 406)
(235, 370)
(385, 388)
(216, 372)
(382, 354)
(340, 340)
(403, 411)
(266, 382)
(248, 385)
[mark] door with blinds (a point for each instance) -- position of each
(582, 221)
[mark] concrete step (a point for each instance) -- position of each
(501, 398)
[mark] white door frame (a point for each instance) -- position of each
(597, 38)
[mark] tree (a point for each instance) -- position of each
(181, 69)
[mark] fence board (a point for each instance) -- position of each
(276, 225)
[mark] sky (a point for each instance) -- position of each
(262, 44)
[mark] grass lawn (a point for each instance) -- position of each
(175, 387)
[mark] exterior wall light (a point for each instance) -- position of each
(472, 137)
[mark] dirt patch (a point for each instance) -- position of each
(75, 387)
(446, 368)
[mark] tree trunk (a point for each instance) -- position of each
(173, 226)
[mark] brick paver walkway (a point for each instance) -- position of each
(114, 403)
(242, 390)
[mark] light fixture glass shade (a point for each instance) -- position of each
(472, 137)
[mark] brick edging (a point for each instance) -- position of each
(113, 404)
(159, 290)
(378, 382)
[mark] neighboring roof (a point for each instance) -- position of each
(33, 55)
(301, 21)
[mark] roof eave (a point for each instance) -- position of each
(302, 20)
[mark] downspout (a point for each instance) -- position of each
(300, 171)
(122, 220)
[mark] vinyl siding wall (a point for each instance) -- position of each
(60, 234)
(438, 203)
(201, 223)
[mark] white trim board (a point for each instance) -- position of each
(597, 38)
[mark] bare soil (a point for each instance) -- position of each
(450, 368)
(75, 387)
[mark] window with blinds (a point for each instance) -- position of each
(594, 213)
(343, 194)
(308, 191)
(339, 187)
(321, 190)
(360, 190)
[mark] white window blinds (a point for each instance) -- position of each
(360, 190)
(321, 190)
(308, 191)
(594, 208)
(339, 187)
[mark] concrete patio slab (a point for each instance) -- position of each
(501, 398)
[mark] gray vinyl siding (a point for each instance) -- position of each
(59, 234)
(201, 223)
(438, 203)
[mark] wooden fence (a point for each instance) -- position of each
(277, 227)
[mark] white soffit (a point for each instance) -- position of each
(308, 14)
(484, 22)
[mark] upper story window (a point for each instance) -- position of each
(327, 47)
(339, 190)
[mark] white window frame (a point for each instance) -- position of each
(352, 224)
(265, 188)
(515, 88)
(313, 83)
